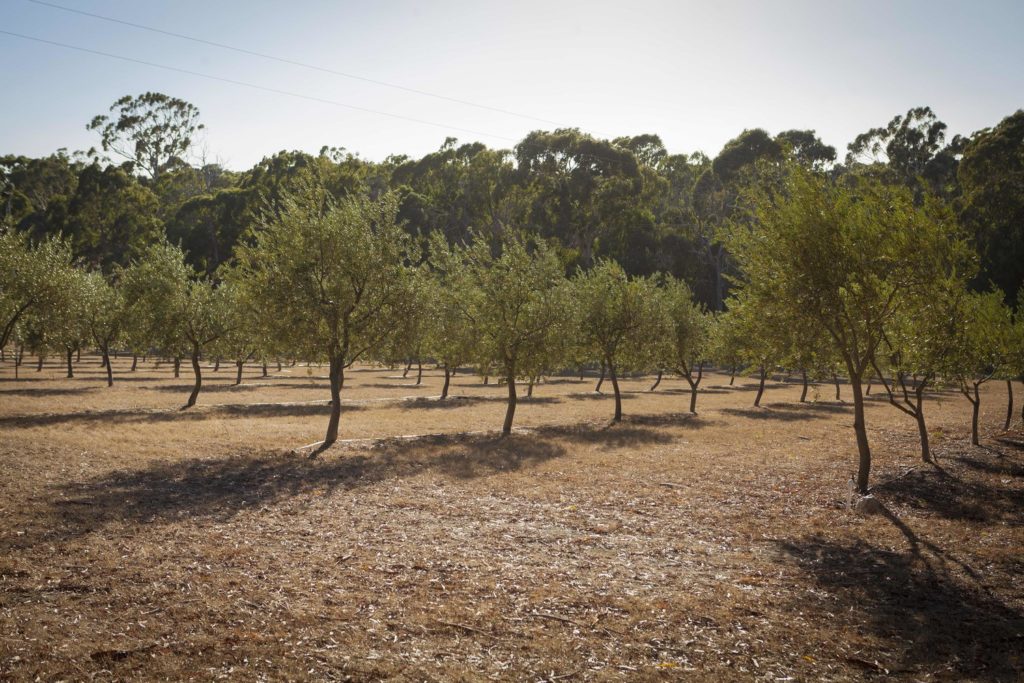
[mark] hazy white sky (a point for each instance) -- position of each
(696, 73)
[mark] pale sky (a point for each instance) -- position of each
(695, 73)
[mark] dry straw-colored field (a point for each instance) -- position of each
(141, 542)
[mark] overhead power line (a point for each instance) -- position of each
(294, 62)
(256, 86)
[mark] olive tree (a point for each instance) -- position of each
(617, 319)
(173, 307)
(104, 312)
(685, 344)
(984, 348)
(847, 258)
(512, 301)
(918, 344)
(332, 277)
(31, 277)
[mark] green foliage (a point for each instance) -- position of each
(109, 219)
(686, 341)
(152, 131)
(32, 278)
(847, 258)
(331, 276)
(992, 177)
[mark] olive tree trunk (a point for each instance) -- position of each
(657, 381)
(71, 371)
(760, 387)
(104, 349)
(1009, 405)
(618, 394)
(447, 382)
(337, 376)
(510, 411)
(199, 377)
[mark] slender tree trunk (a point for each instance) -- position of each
(835, 380)
(760, 388)
(238, 372)
(135, 362)
(803, 392)
(922, 431)
(337, 373)
(265, 367)
(419, 372)
(529, 388)
(861, 431)
(39, 365)
(732, 375)
(407, 368)
(71, 371)
(199, 377)
(487, 380)
(447, 381)
(216, 364)
(1009, 405)
(78, 355)
(510, 411)
(618, 395)
(867, 390)
(106, 360)
(975, 410)
(693, 396)
(657, 381)
(600, 380)
(177, 367)
(279, 368)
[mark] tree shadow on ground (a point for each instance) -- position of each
(207, 388)
(46, 391)
(789, 412)
(393, 385)
(199, 412)
(687, 420)
(451, 402)
(936, 622)
(946, 492)
(602, 396)
(219, 488)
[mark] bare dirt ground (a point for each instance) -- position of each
(142, 542)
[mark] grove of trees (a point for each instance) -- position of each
(902, 265)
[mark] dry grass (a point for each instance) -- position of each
(144, 542)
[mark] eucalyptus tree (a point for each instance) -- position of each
(847, 258)
(151, 130)
(991, 175)
(617, 319)
(332, 277)
(685, 344)
(513, 302)
(109, 219)
(579, 185)
(910, 150)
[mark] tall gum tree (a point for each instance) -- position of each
(332, 277)
(846, 258)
